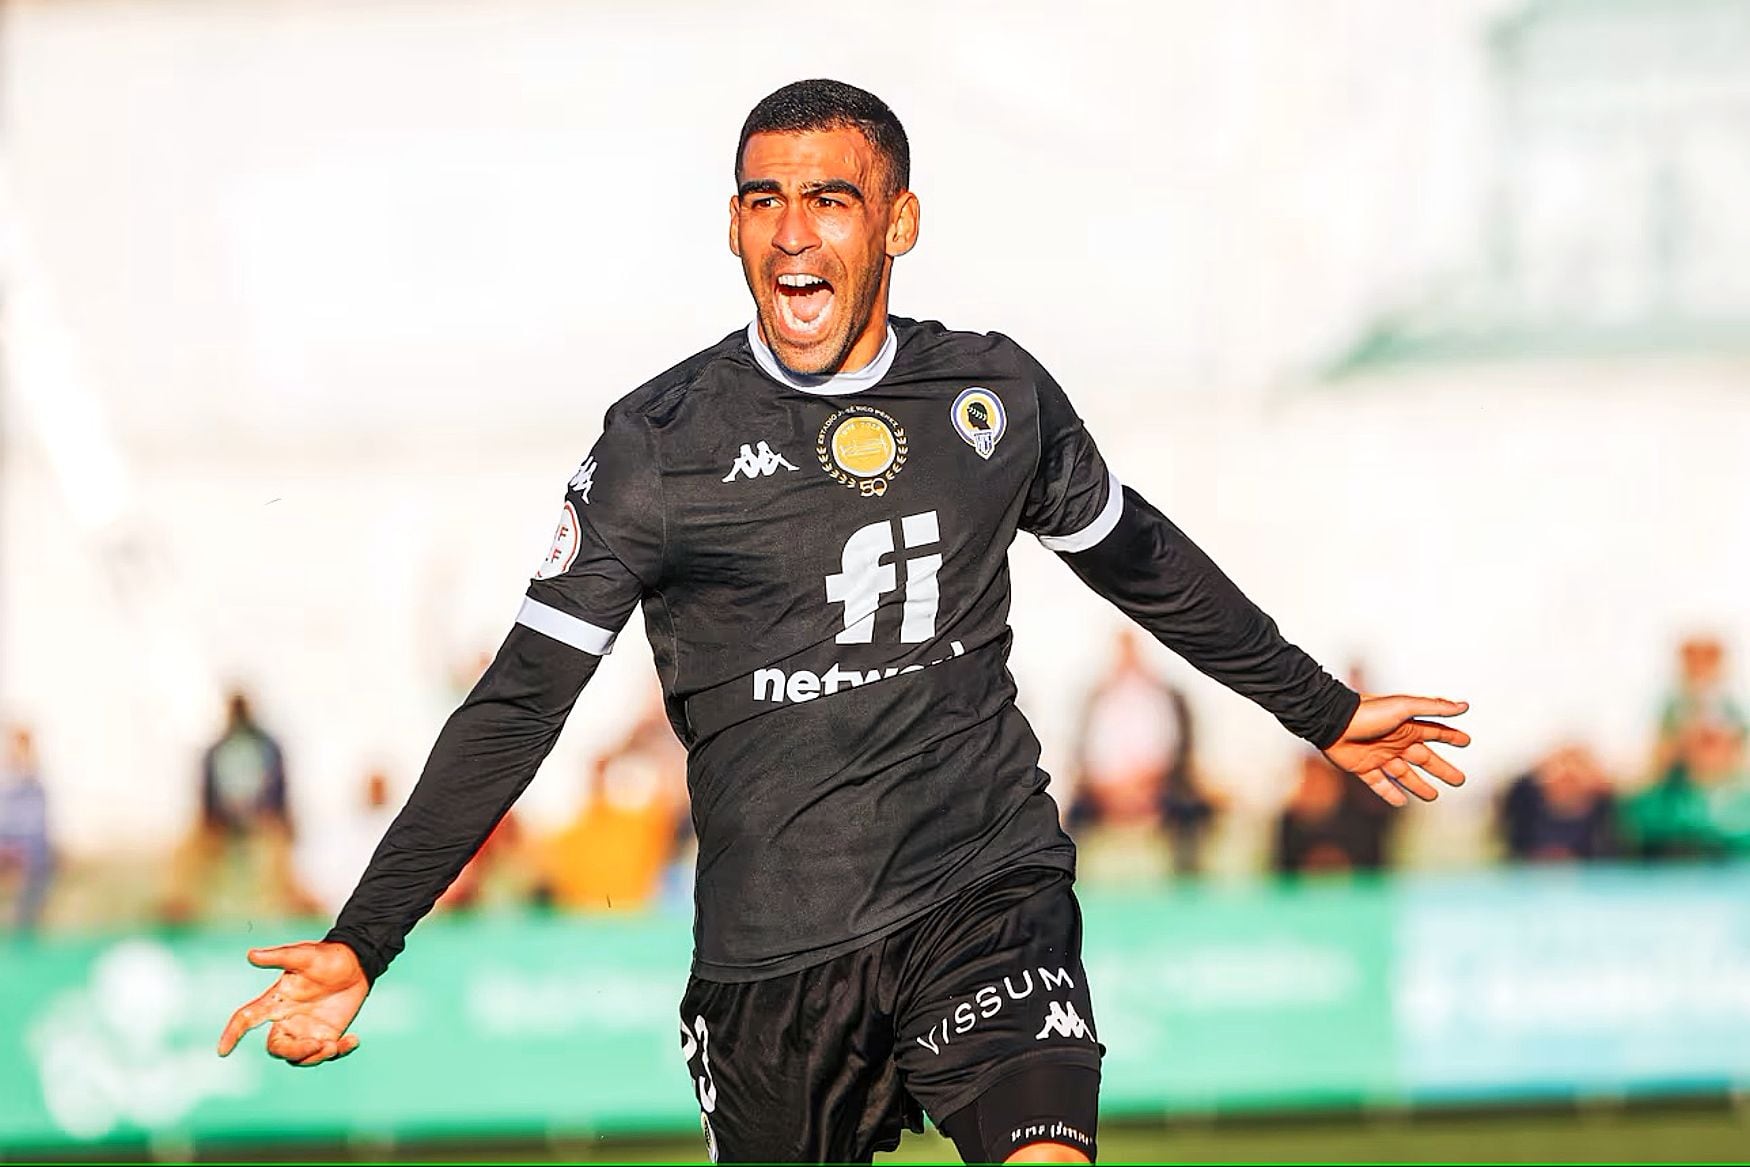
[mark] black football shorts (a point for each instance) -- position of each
(980, 1001)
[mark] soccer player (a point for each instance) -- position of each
(815, 514)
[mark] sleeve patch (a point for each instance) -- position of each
(566, 539)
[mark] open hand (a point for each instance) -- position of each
(310, 1005)
(1385, 743)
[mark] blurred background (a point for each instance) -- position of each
(1431, 322)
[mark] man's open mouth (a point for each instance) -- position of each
(804, 303)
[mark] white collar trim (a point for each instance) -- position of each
(831, 384)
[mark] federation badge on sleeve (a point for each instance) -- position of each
(979, 419)
(862, 447)
(563, 553)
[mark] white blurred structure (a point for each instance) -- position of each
(351, 284)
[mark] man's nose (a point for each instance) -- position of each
(795, 233)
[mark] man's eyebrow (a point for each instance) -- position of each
(833, 186)
(842, 186)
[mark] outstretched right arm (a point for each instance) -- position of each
(483, 759)
(486, 755)
(606, 554)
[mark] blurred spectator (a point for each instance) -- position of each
(26, 855)
(245, 824)
(1700, 807)
(1324, 828)
(1562, 809)
(333, 858)
(1700, 695)
(243, 775)
(615, 853)
(1718, 767)
(1134, 756)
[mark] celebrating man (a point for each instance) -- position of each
(884, 915)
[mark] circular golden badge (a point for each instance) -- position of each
(862, 447)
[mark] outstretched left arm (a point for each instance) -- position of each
(1152, 572)
(1133, 555)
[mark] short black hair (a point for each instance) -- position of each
(822, 104)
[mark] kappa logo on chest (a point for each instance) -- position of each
(757, 463)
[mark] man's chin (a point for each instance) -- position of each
(809, 364)
(818, 357)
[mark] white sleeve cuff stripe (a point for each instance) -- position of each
(1097, 530)
(566, 628)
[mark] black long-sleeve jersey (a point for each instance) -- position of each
(823, 567)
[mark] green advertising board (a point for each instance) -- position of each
(496, 1024)
(1207, 998)
(1247, 997)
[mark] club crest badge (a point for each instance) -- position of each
(980, 420)
(862, 447)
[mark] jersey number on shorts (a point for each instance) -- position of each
(864, 578)
(698, 1041)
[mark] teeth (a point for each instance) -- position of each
(798, 326)
(799, 280)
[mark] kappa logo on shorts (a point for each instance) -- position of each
(988, 1001)
(1062, 1020)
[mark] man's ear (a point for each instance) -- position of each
(735, 225)
(902, 224)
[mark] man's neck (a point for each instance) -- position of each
(868, 344)
(848, 380)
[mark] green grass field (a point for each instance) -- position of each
(1711, 1134)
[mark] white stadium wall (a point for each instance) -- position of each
(336, 294)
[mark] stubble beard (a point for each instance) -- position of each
(822, 366)
(848, 328)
